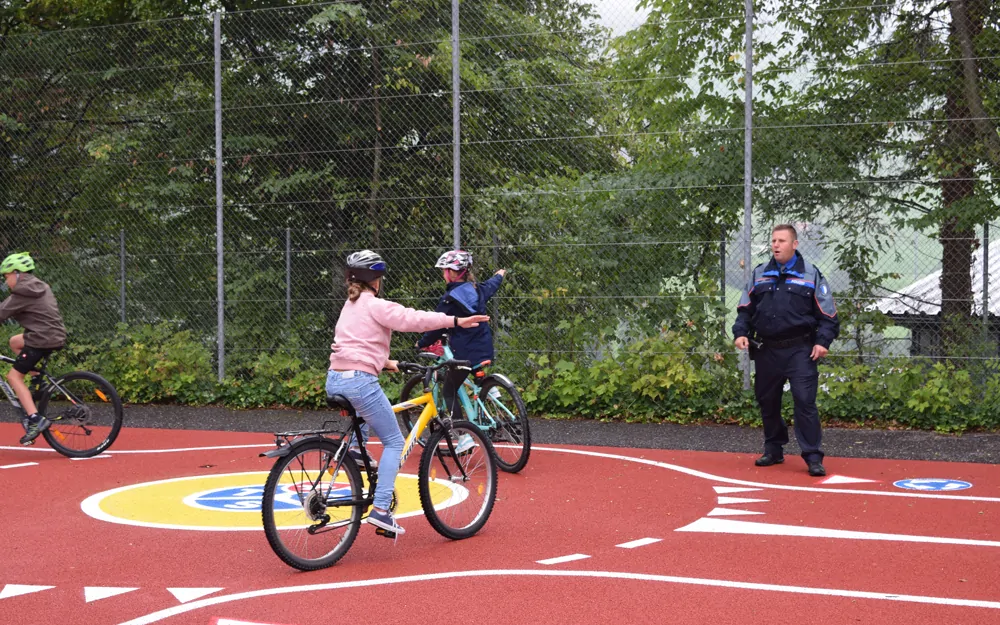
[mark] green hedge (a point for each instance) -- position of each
(669, 377)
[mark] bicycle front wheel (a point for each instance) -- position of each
(458, 480)
(85, 412)
(503, 412)
(310, 515)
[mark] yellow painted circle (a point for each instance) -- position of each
(231, 501)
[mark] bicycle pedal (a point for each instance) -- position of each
(385, 532)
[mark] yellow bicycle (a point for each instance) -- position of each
(315, 496)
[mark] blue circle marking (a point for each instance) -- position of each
(930, 484)
(248, 498)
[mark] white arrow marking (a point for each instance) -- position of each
(843, 479)
(96, 593)
(725, 490)
(13, 590)
(730, 512)
(642, 542)
(726, 500)
(562, 559)
(190, 594)
(726, 526)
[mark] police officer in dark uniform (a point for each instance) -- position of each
(787, 318)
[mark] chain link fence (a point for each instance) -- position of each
(602, 161)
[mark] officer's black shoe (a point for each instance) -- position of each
(768, 459)
(816, 469)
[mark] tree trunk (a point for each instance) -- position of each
(967, 24)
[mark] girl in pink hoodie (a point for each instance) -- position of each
(361, 351)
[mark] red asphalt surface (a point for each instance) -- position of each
(569, 500)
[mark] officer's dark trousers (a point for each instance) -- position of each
(774, 367)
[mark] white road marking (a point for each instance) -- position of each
(843, 479)
(730, 512)
(726, 490)
(728, 500)
(693, 581)
(185, 595)
(93, 457)
(25, 448)
(96, 593)
(23, 464)
(564, 559)
(15, 590)
(726, 526)
(730, 480)
(116, 452)
(642, 542)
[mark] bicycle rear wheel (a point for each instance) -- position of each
(310, 516)
(504, 413)
(457, 488)
(85, 412)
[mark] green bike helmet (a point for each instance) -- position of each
(20, 262)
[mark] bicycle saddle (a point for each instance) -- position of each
(339, 402)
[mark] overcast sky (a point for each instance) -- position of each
(619, 15)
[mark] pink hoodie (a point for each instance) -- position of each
(361, 340)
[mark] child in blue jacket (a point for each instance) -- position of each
(463, 296)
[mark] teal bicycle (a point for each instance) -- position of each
(490, 401)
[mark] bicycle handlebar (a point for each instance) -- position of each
(7, 359)
(412, 367)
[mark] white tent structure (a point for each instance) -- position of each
(918, 306)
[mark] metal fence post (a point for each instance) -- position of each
(722, 276)
(748, 169)
(288, 277)
(986, 283)
(220, 276)
(456, 131)
(121, 261)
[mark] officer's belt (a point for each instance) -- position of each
(798, 340)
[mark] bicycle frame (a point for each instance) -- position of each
(468, 392)
(49, 382)
(426, 416)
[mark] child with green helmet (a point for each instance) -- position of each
(32, 305)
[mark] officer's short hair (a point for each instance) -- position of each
(789, 227)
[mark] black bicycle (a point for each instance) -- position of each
(84, 409)
(315, 496)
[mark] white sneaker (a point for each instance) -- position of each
(465, 444)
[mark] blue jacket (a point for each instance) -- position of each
(462, 299)
(787, 302)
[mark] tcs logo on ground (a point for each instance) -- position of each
(248, 498)
(228, 502)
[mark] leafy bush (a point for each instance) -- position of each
(676, 375)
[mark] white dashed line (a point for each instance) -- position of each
(730, 512)
(16, 590)
(96, 593)
(727, 500)
(726, 526)
(642, 542)
(726, 490)
(563, 559)
(14, 466)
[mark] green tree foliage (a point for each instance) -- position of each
(863, 115)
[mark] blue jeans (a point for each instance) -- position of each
(369, 401)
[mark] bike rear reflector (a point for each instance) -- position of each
(101, 394)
